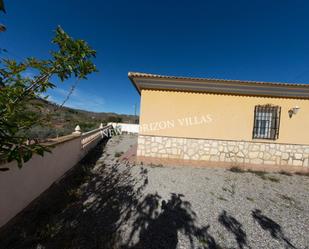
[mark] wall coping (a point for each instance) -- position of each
(53, 142)
(60, 140)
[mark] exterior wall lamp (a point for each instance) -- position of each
(293, 111)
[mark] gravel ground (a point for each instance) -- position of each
(118, 204)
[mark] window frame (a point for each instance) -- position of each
(271, 115)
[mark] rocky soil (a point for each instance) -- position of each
(109, 202)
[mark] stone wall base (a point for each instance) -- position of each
(230, 153)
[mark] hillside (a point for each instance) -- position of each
(63, 120)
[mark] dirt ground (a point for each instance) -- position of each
(107, 201)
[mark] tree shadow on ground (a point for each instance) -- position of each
(234, 227)
(272, 227)
(158, 223)
(85, 209)
(91, 206)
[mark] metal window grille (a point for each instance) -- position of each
(266, 122)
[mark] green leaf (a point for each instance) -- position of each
(19, 109)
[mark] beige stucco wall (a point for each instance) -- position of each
(214, 116)
(19, 187)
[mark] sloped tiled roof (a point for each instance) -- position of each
(178, 83)
(158, 76)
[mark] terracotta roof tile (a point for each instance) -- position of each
(157, 76)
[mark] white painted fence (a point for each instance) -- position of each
(18, 187)
(130, 128)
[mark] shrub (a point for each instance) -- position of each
(118, 154)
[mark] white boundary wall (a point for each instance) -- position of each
(130, 128)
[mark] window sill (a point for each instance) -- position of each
(264, 139)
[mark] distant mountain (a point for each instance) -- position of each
(63, 120)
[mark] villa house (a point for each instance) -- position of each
(229, 122)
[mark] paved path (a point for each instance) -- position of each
(114, 204)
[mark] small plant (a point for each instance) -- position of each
(282, 172)
(152, 165)
(74, 193)
(50, 230)
(287, 198)
(232, 190)
(118, 154)
(273, 179)
(291, 201)
(258, 173)
(250, 199)
(302, 173)
(263, 175)
(221, 198)
(236, 169)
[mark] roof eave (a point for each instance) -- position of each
(265, 89)
(131, 77)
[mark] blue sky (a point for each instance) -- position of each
(266, 40)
